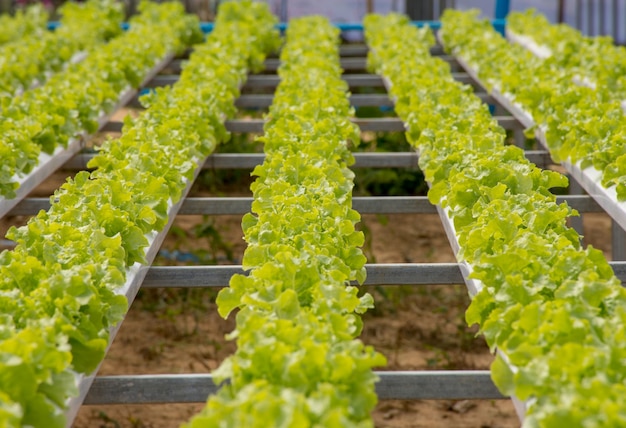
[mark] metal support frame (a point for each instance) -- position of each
(388, 274)
(393, 385)
(362, 160)
(363, 204)
(347, 64)
(618, 241)
(256, 101)
(576, 222)
(377, 124)
(194, 388)
(391, 274)
(256, 81)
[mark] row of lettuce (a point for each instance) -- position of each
(554, 310)
(72, 102)
(298, 362)
(596, 60)
(582, 124)
(32, 57)
(59, 287)
(27, 22)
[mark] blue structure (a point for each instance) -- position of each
(501, 11)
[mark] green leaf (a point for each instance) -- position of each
(502, 376)
(42, 413)
(61, 386)
(88, 354)
(287, 305)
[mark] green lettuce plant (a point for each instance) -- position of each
(60, 287)
(581, 124)
(553, 309)
(298, 362)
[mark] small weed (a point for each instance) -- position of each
(468, 336)
(368, 249)
(387, 181)
(216, 180)
(107, 421)
(153, 352)
(446, 360)
(135, 422)
(382, 219)
(215, 243)
(183, 309)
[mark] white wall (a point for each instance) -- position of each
(353, 10)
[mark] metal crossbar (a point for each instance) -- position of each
(382, 124)
(255, 101)
(256, 81)
(347, 64)
(362, 160)
(194, 388)
(365, 205)
(391, 274)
